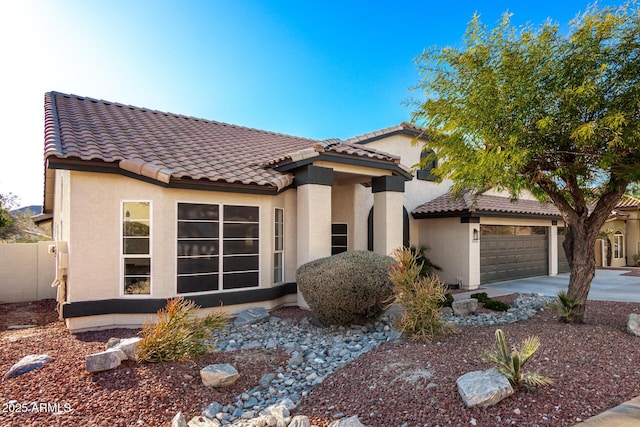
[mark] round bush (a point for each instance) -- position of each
(350, 287)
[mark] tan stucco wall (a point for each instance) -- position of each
(342, 209)
(94, 252)
(26, 272)
(616, 225)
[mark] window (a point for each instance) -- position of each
(278, 245)
(618, 245)
(218, 247)
(338, 238)
(136, 248)
(426, 174)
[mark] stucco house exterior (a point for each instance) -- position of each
(622, 229)
(148, 205)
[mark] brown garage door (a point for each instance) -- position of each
(512, 252)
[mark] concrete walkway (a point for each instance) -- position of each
(608, 285)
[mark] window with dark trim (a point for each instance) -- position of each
(618, 245)
(338, 238)
(218, 247)
(278, 245)
(136, 247)
(425, 173)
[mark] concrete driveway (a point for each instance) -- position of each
(608, 285)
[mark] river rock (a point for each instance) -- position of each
(483, 388)
(633, 324)
(27, 364)
(220, 375)
(250, 315)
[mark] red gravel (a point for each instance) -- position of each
(595, 366)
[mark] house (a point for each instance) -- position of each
(620, 233)
(148, 205)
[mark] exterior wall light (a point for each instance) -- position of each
(476, 235)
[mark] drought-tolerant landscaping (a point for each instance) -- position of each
(594, 366)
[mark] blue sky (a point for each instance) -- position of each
(318, 69)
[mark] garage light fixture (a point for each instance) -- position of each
(476, 235)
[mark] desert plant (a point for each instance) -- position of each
(510, 364)
(419, 297)
(636, 259)
(350, 287)
(428, 267)
(566, 307)
(480, 296)
(178, 333)
(447, 302)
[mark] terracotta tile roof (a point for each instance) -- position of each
(628, 202)
(163, 146)
(338, 148)
(403, 127)
(447, 204)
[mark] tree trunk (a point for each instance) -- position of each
(579, 246)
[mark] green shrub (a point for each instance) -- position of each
(481, 297)
(447, 302)
(510, 364)
(419, 297)
(178, 333)
(351, 287)
(496, 305)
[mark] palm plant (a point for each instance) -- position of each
(510, 364)
(567, 307)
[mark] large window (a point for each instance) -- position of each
(218, 247)
(618, 245)
(136, 248)
(278, 245)
(426, 173)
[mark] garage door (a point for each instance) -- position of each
(563, 264)
(512, 252)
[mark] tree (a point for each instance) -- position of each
(7, 202)
(532, 108)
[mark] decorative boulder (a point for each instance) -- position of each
(179, 421)
(220, 375)
(483, 388)
(105, 360)
(300, 421)
(27, 364)
(633, 324)
(465, 307)
(127, 345)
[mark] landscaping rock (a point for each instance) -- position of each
(220, 375)
(300, 421)
(105, 360)
(353, 421)
(128, 346)
(250, 315)
(212, 410)
(465, 307)
(633, 324)
(203, 422)
(27, 364)
(178, 420)
(483, 388)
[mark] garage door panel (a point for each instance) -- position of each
(506, 256)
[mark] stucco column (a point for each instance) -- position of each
(314, 216)
(473, 239)
(553, 249)
(387, 213)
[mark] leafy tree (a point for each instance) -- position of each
(7, 202)
(533, 108)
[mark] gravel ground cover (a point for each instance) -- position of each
(595, 366)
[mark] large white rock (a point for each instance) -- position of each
(178, 420)
(633, 324)
(128, 346)
(464, 307)
(28, 363)
(105, 360)
(483, 388)
(219, 375)
(300, 421)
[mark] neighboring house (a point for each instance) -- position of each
(622, 230)
(148, 205)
